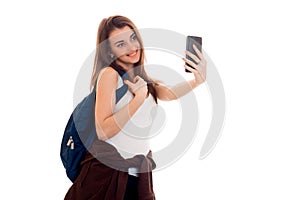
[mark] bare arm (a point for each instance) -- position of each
(166, 93)
(109, 123)
(198, 63)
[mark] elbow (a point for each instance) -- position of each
(102, 131)
(101, 137)
(167, 97)
(105, 130)
(171, 96)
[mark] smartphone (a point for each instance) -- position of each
(190, 40)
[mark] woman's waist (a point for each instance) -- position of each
(110, 156)
(129, 147)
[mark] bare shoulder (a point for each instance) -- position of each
(109, 71)
(108, 76)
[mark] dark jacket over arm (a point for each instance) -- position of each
(104, 175)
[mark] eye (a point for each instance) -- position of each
(120, 44)
(133, 37)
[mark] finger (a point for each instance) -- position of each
(198, 52)
(190, 69)
(136, 78)
(141, 81)
(127, 82)
(189, 62)
(193, 56)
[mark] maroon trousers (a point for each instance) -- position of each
(104, 175)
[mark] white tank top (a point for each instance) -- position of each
(133, 138)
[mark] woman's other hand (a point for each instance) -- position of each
(138, 87)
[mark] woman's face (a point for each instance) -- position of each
(125, 45)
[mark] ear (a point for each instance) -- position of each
(111, 55)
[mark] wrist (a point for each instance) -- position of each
(139, 96)
(194, 83)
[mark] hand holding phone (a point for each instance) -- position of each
(190, 40)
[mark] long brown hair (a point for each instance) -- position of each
(102, 58)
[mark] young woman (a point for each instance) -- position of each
(124, 164)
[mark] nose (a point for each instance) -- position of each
(132, 47)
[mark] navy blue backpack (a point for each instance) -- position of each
(80, 131)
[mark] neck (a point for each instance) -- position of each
(128, 69)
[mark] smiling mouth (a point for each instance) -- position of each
(132, 53)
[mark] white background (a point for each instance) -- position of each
(254, 44)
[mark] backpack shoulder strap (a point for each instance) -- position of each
(122, 90)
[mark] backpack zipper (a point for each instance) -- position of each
(70, 142)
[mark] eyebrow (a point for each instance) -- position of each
(123, 40)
